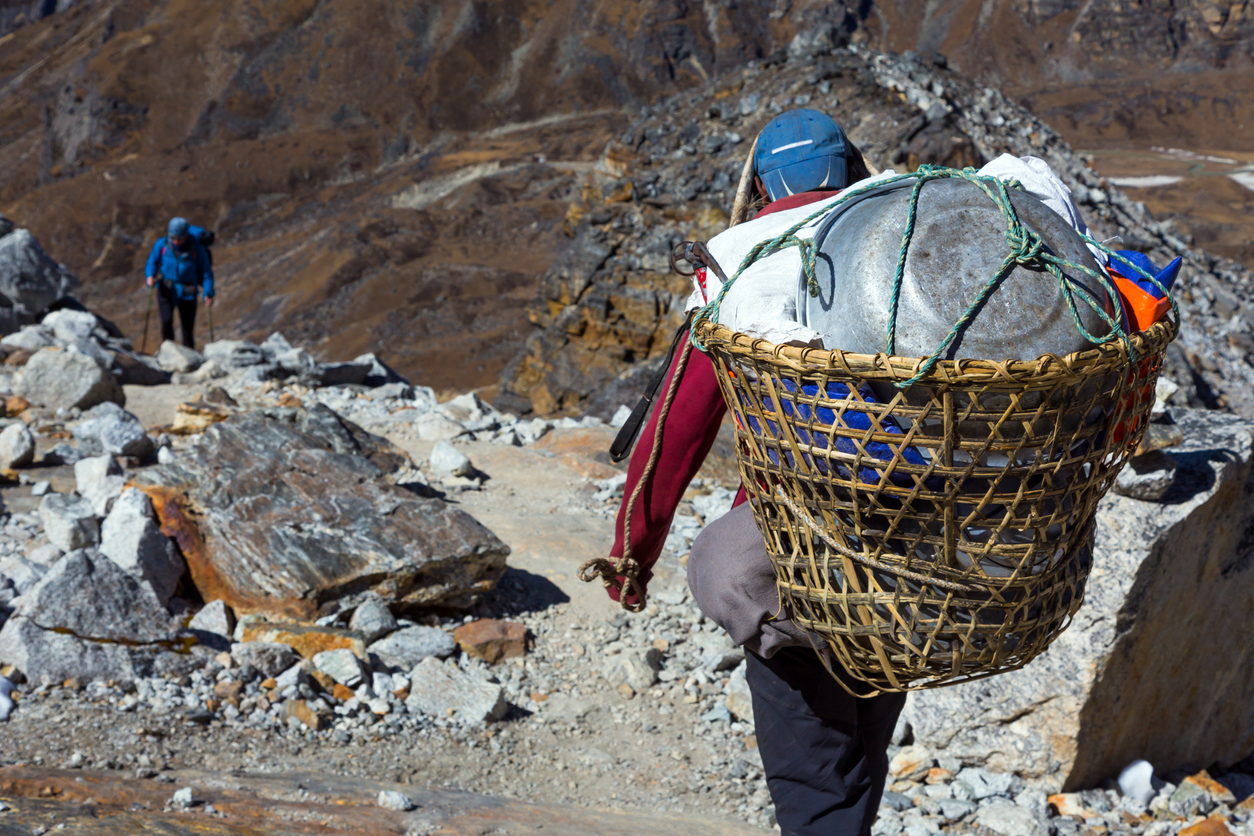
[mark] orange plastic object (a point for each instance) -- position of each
(1143, 309)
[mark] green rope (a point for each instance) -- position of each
(1025, 248)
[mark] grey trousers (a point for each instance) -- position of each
(825, 753)
(732, 582)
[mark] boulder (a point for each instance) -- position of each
(406, 648)
(637, 669)
(373, 619)
(274, 345)
(234, 354)
(22, 572)
(283, 514)
(447, 460)
(380, 373)
(341, 665)
(297, 361)
(31, 338)
(118, 431)
(93, 351)
(214, 618)
(28, 275)
(69, 325)
(176, 357)
(269, 658)
(17, 446)
(60, 379)
(1151, 667)
(100, 481)
(90, 619)
(340, 374)
(138, 369)
(131, 538)
(69, 521)
(443, 690)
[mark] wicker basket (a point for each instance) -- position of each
(939, 533)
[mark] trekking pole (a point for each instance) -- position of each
(211, 337)
(143, 346)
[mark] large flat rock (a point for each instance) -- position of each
(109, 804)
(289, 512)
(1157, 664)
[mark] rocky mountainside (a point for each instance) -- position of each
(397, 178)
(610, 300)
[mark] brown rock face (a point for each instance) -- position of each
(492, 640)
(282, 518)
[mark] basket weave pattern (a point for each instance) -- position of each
(942, 532)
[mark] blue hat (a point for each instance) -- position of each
(801, 151)
(177, 227)
(1125, 263)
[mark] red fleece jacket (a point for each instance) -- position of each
(691, 427)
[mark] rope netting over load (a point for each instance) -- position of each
(932, 520)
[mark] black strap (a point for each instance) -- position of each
(626, 438)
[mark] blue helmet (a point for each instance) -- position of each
(177, 228)
(801, 151)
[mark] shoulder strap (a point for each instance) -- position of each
(626, 438)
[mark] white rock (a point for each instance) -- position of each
(636, 668)
(1147, 477)
(295, 675)
(166, 456)
(434, 426)
(118, 431)
(68, 325)
(393, 800)
(176, 357)
(620, 416)
(60, 379)
(739, 699)
(448, 460)
(342, 665)
(234, 354)
(23, 572)
(1009, 819)
(40, 488)
(6, 704)
(182, 798)
(69, 521)
(373, 619)
(100, 481)
(1136, 781)
(215, 617)
(131, 538)
(17, 446)
(31, 338)
(443, 690)
(45, 555)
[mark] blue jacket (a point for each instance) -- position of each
(184, 268)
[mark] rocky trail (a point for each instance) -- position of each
(503, 694)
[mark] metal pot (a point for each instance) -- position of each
(958, 244)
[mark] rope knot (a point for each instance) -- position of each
(609, 571)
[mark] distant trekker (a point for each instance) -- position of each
(177, 265)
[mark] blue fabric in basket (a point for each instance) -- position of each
(852, 418)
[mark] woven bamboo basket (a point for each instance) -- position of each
(942, 532)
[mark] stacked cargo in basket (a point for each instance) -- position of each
(926, 471)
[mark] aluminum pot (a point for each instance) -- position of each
(958, 244)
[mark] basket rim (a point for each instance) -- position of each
(891, 367)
